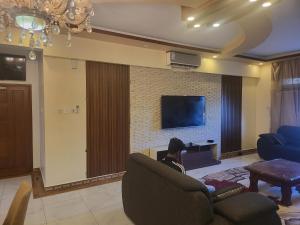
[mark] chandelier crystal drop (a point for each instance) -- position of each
(39, 20)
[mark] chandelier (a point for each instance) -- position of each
(39, 20)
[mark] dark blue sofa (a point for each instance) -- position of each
(284, 144)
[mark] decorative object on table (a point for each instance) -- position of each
(38, 20)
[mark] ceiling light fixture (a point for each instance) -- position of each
(215, 56)
(40, 19)
(266, 4)
(260, 64)
(197, 25)
(190, 18)
(218, 17)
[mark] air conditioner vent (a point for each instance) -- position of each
(182, 60)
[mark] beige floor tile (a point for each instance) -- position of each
(80, 219)
(35, 205)
(2, 218)
(113, 215)
(99, 200)
(61, 198)
(36, 218)
(64, 210)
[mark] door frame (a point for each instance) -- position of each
(30, 128)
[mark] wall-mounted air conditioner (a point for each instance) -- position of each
(182, 60)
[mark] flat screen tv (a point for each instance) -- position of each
(12, 67)
(182, 111)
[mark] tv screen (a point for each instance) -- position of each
(182, 111)
(12, 67)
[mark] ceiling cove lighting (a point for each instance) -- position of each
(216, 25)
(210, 14)
(190, 18)
(39, 20)
(266, 4)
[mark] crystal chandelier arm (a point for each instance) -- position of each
(43, 18)
(59, 8)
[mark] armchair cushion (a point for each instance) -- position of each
(245, 207)
(275, 139)
(280, 139)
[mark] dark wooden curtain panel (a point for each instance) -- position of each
(15, 130)
(231, 130)
(107, 118)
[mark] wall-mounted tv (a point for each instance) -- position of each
(12, 67)
(182, 111)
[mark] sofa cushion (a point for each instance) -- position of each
(280, 139)
(291, 134)
(244, 207)
(275, 138)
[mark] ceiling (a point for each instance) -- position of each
(163, 22)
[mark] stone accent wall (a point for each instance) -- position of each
(147, 85)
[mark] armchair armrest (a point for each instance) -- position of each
(245, 207)
(224, 193)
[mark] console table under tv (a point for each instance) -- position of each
(197, 155)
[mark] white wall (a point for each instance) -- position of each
(96, 50)
(65, 132)
(33, 78)
(263, 101)
(249, 108)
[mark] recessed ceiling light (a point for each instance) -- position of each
(261, 64)
(216, 25)
(252, 0)
(197, 25)
(215, 56)
(191, 18)
(266, 4)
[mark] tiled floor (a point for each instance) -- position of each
(101, 205)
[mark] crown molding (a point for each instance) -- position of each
(154, 41)
(270, 58)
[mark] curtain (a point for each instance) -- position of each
(285, 108)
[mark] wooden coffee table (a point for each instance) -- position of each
(278, 172)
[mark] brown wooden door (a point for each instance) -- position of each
(15, 130)
(107, 118)
(231, 128)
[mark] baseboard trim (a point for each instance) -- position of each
(238, 153)
(39, 190)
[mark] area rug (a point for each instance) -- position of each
(226, 178)
(290, 219)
